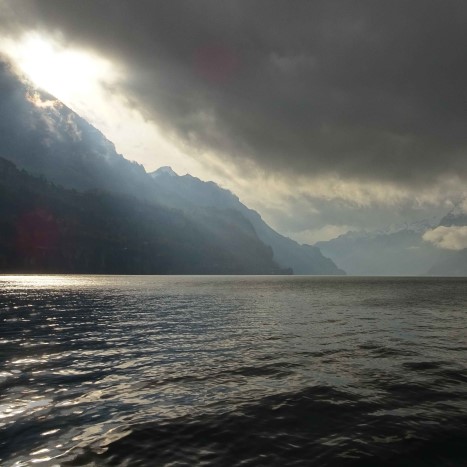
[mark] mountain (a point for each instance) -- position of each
(456, 216)
(452, 262)
(190, 193)
(46, 228)
(385, 253)
(400, 250)
(42, 136)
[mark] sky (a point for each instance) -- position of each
(324, 115)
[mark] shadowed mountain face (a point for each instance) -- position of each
(46, 228)
(45, 138)
(190, 193)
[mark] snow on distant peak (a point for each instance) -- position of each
(166, 170)
(418, 226)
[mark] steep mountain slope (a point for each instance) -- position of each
(44, 137)
(45, 228)
(190, 194)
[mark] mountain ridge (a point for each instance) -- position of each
(186, 191)
(61, 146)
(47, 228)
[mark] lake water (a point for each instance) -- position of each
(150, 370)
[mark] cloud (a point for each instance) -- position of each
(448, 238)
(366, 91)
(330, 112)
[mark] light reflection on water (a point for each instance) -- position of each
(87, 360)
(22, 283)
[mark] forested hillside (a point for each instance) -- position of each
(45, 228)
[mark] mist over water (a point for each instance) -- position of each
(204, 370)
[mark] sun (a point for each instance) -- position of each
(67, 74)
(93, 86)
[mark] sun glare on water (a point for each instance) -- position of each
(67, 74)
(18, 282)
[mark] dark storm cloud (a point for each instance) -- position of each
(368, 90)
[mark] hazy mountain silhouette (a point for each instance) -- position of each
(42, 136)
(46, 228)
(452, 262)
(190, 194)
(402, 252)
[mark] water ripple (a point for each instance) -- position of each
(119, 370)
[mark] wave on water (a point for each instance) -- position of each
(233, 372)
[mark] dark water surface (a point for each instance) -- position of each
(114, 370)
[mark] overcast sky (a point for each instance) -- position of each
(324, 115)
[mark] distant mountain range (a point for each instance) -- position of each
(400, 251)
(71, 203)
(113, 217)
(452, 263)
(403, 252)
